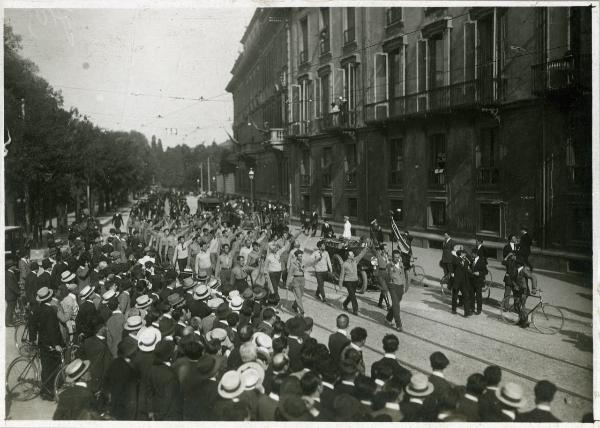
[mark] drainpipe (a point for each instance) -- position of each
(288, 81)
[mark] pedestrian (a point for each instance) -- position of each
(468, 404)
(339, 339)
(224, 265)
(489, 406)
(77, 399)
(358, 338)
(163, 389)
(95, 349)
(181, 253)
(439, 362)
(45, 331)
(461, 282)
(326, 229)
(447, 257)
(544, 392)
(479, 271)
(416, 406)
(349, 278)
(295, 282)
(376, 232)
(511, 400)
(323, 268)
(380, 273)
(396, 286)
(400, 374)
(524, 249)
(123, 383)
(347, 234)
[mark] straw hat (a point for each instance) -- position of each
(230, 385)
(43, 294)
(419, 386)
(133, 323)
(148, 339)
(76, 369)
(67, 277)
(252, 374)
(511, 394)
(201, 292)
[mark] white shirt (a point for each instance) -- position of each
(203, 260)
(244, 251)
(347, 230)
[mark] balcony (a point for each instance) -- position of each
(338, 120)
(303, 57)
(571, 73)
(305, 180)
(473, 93)
(437, 178)
(349, 35)
(487, 177)
(297, 129)
(276, 135)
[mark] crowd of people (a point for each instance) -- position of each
(177, 318)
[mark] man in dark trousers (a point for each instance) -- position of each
(544, 394)
(339, 339)
(447, 248)
(45, 331)
(479, 271)
(461, 282)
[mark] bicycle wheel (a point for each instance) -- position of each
(487, 285)
(548, 319)
(418, 275)
(508, 312)
(25, 348)
(60, 383)
(22, 379)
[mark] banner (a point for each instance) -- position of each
(402, 244)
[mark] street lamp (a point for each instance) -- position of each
(198, 185)
(251, 177)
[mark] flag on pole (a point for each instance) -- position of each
(402, 244)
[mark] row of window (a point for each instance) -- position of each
(490, 214)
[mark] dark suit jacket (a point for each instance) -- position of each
(481, 267)
(468, 408)
(447, 248)
(96, 350)
(342, 388)
(525, 245)
(163, 393)
(198, 308)
(86, 318)
(123, 382)
(143, 362)
(265, 328)
(206, 396)
(337, 342)
(11, 286)
(45, 280)
(31, 287)
(294, 354)
(400, 373)
(266, 408)
(72, 402)
(537, 415)
(489, 406)
(413, 412)
(507, 249)
(45, 326)
(441, 388)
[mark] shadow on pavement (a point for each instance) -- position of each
(582, 341)
(580, 281)
(586, 296)
(576, 312)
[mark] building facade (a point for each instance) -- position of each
(475, 121)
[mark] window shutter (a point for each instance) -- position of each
(470, 52)
(317, 97)
(295, 103)
(421, 65)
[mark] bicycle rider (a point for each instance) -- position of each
(516, 277)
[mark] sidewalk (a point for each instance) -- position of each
(569, 292)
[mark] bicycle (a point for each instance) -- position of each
(546, 318)
(416, 272)
(21, 334)
(23, 376)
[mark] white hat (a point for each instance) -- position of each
(511, 394)
(236, 303)
(67, 277)
(252, 374)
(109, 295)
(230, 385)
(148, 339)
(201, 292)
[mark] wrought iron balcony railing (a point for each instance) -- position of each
(338, 120)
(477, 92)
(437, 178)
(487, 176)
(570, 72)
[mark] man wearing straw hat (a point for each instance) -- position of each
(415, 407)
(45, 331)
(77, 398)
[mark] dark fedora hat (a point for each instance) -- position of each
(208, 366)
